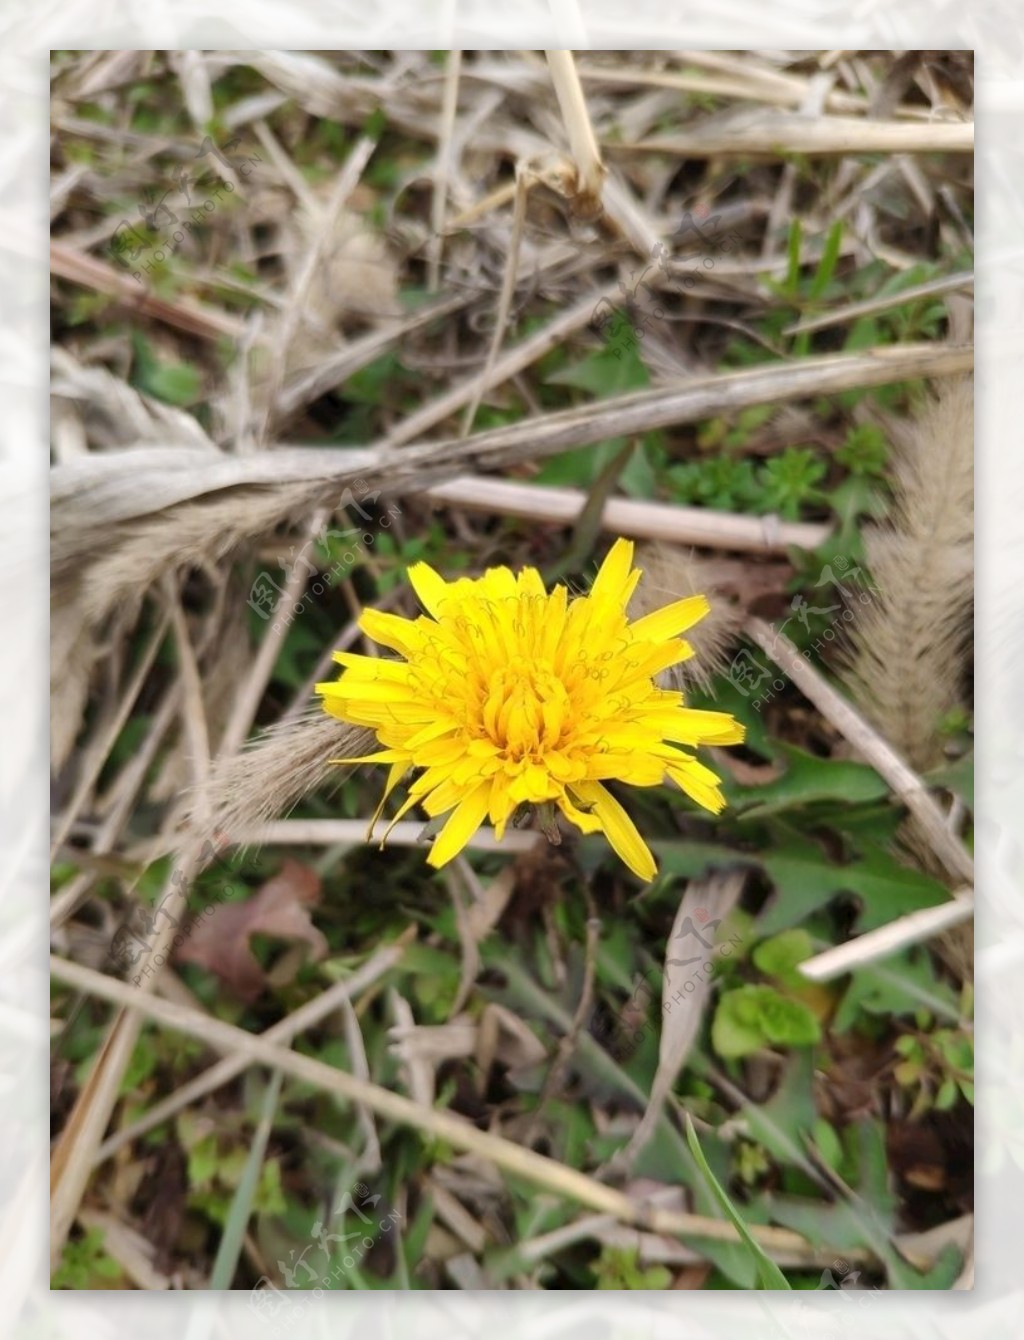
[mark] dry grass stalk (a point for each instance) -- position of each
(716, 895)
(915, 928)
(95, 495)
(630, 517)
(754, 131)
(931, 288)
(462, 1134)
(258, 783)
(590, 171)
(870, 745)
(283, 1032)
(208, 323)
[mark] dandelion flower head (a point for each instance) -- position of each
(507, 695)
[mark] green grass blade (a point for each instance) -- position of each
(770, 1275)
(241, 1205)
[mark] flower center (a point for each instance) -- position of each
(526, 708)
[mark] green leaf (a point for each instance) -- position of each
(865, 1220)
(946, 1096)
(781, 1123)
(808, 779)
(779, 956)
(806, 880)
(165, 379)
(602, 374)
(957, 777)
(899, 985)
(827, 264)
(789, 480)
(619, 1268)
(770, 1275)
(792, 283)
(865, 451)
(751, 1017)
(828, 1144)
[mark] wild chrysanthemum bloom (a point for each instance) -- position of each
(509, 696)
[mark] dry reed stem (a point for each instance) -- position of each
(590, 171)
(630, 517)
(442, 168)
(352, 832)
(906, 784)
(914, 928)
(91, 494)
(207, 323)
(755, 131)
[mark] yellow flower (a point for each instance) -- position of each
(508, 695)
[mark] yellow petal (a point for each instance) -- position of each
(620, 829)
(395, 774)
(691, 725)
(671, 620)
(391, 630)
(699, 783)
(614, 571)
(460, 825)
(430, 586)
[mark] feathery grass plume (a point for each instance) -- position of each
(672, 574)
(909, 645)
(510, 696)
(266, 779)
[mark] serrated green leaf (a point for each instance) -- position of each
(806, 880)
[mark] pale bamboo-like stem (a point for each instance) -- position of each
(776, 133)
(914, 928)
(441, 1125)
(442, 171)
(406, 833)
(109, 481)
(590, 171)
(631, 517)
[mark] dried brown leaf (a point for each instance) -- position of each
(220, 941)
